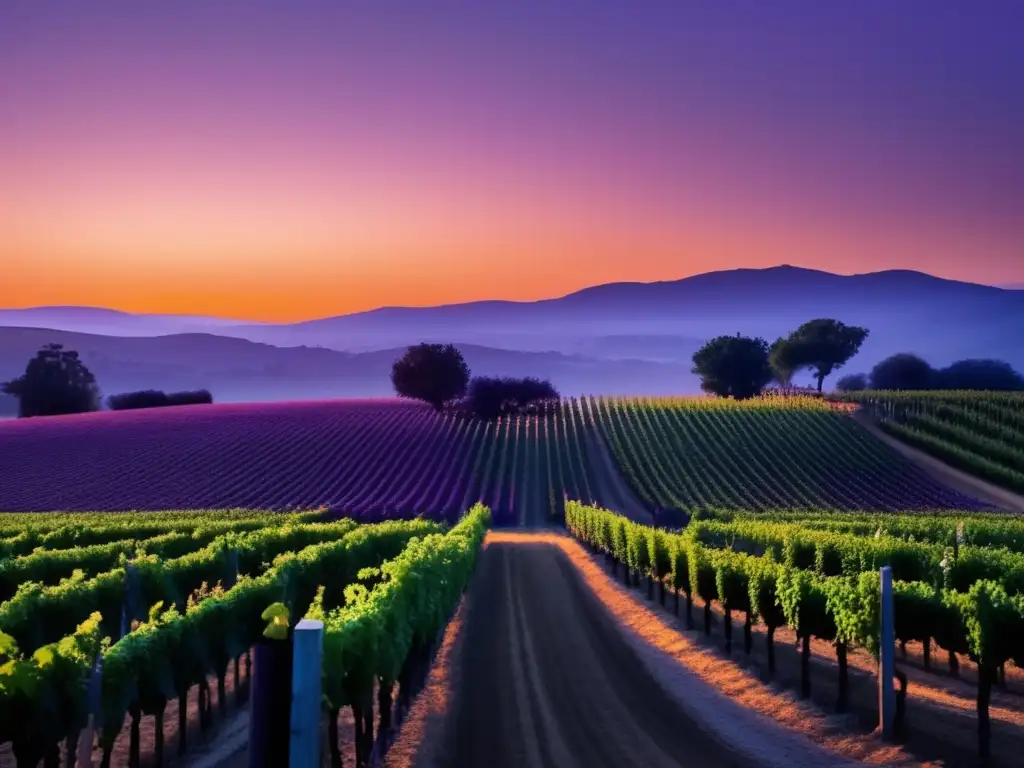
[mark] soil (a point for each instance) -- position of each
(542, 673)
(941, 715)
(956, 479)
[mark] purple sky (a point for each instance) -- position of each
(287, 160)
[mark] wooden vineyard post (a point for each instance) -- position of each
(307, 670)
(270, 703)
(886, 651)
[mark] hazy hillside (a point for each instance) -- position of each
(240, 370)
(110, 322)
(663, 322)
(943, 320)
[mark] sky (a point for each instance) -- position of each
(288, 160)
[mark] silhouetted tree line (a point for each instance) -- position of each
(438, 375)
(741, 367)
(153, 398)
(56, 382)
(905, 371)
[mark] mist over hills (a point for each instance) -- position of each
(615, 338)
(238, 370)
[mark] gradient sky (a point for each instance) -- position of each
(289, 160)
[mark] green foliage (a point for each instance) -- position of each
(277, 616)
(733, 366)
(823, 345)
(372, 634)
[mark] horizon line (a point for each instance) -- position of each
(238, 321)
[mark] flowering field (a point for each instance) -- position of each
(380, 459)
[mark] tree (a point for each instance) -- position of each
(490, 398)
(733, 366)
(902, 371)
(434, 373)
(825, 345)
(991, 375)
(55, 382)
(854, 382)
(784, 361)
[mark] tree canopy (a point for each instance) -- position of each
(55, 382)
(853, 382)
(902, 371)
(733, 366)
(434, 373)
(490, 398)
(991, 375)
(784, 361)
(823, 345)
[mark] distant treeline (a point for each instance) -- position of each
(905, 371)
(152, 398)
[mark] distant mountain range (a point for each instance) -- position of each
(238, 370)
(620, 337)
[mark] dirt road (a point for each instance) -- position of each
(543, 676)
(956, 479)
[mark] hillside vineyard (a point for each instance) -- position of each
(384, 459)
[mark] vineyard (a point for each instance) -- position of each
(380, 460)
(695, 453)
(958, 584)
(978, 432)
(184, 596)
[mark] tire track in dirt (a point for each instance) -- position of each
(547, 679)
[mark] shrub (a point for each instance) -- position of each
(152, 398)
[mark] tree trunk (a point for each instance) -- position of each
(661, 593)
(900, 718)
(158, 736)
(52, 757)
(821, 381)
(677, 601)
(237, 681)
(182, 722)
(222, 696)
(927, 654)
(748, 635)
(707, 618)
(903, 649)
(133, 743)
(332, 738)
(650, 587)
(689, 610)
(770, 642)
(954, 664)
(842, 698)
(357, 717)
(728, 630)
(70, 749)
(368, 730)
(384, 696)
(985, 675)
(805, 667)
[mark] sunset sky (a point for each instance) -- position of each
(290, 160)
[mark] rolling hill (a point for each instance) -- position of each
(238, 370)
(588, 341)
